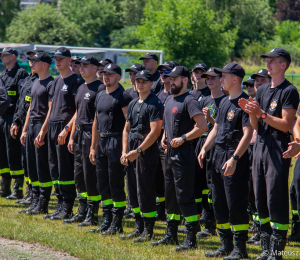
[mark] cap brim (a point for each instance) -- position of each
(143, 58)
(166, 66)
(141, 77)
(272, 54)
(5, 52)
(221, 71)
(59, 56)
(213, 74)
(131, 69)
(109, 71)
(29, 52)
(198, 68)
(33, 58)
(255, 75)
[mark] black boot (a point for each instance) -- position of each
(277, 247)
(161, 211)
(204, 216)
(182, 230)
(107, 218)
(81, 214)
(265, 240)
(254, 228)
(295, 235)
(190, 241)
(66, 211)
(57, 211)
(17, 190)
(209, 230)
(115, 226)
(34, 203)
(138, 230)
(41, 208)
(91, 218)
(147, 234)
(28, 196)
(171, 236)
(239, 251)
(225, 249)
(5, 187)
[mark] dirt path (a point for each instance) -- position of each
(14, 249)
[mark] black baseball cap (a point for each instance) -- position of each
(262, 73)
(176, 63)
(150, 56)
(35, 50)
(136, 67)
(9, 50)
(232, 68)
(278, 52)
(145, 75)
(179, 71)
(170, 65)
(249, 81)
(89, 59)
(105, 61)
(62, 52)
(76, 59)
(112, 69)
(201, 66)
(211, 72)
(41, 56)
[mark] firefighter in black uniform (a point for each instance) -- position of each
(10, 154)
(80, 143)
(4, 98)
(36, 121)
(75, 65)
(102, 64)
(19, 121)
(133, 70)
(61, 161)
(140, 155)
(272, 115)
(231, 134)
(111, 109)
(183, 121)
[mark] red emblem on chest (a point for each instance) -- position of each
(174, 110)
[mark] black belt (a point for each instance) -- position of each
(136, 136)
(34, 121)
(276, 135)
(83, 127)
(110, 134)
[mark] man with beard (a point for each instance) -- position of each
(111, 109)
(102, 64)
(184, 121)
(133, 70)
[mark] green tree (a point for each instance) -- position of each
(43, 24)
(186, 33)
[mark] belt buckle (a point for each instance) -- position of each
(103, 135)
(78, 127)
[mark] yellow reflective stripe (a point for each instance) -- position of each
(55, 182)
(107, 202)
(255, 217)
(20, 172)
(198, 200)
(66, 182)
(27, 98)
(35, 184)
(191, 218)
(136, 210)
(279, 226)
(205, 191)
(160, 199)
(209, 200)
(11, 93)
(21, 188)
(83, 194)
(295, 212)
(119, 204)
(223, 226)
(264, 220)
(4, 170)
(241, 227)
(26, 179)
(149, 214)
(46, 184)
(173, 216)
(94, 198)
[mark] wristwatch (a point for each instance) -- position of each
(139, 150)
(263, 115)
(67, 128)
(183, 137)
(235, 157)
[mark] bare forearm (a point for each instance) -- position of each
(95, 135)
(150, 139)
(196, 132)
(45, 125)
(278, 123)
(253, 121)
(210, 140)
(72, 136)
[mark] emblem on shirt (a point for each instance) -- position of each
(175, 110)
(273, 105)
(230, 115)
(21, 81)
(65, 87)
(87, 95)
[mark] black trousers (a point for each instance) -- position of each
(10, 152)
(140, 180)
(160, 174)
(270, 178)
(179, 183)
(295, 191)
(230, 194)
(110, 174)
(61, 163)
(37, 161)
(24, 163)
(85, 171)
(209, 159)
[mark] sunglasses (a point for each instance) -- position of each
(249, 86)
(164, 71)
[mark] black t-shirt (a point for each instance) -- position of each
(63, 106)
(226, 113)
(132, 93)
(40, 96)
(191, 108)
(200, 93)
(85, 102)
(273, 100)
(153, 111)
(157, 84)
(213, 105)
(103, 105)
(162, 96)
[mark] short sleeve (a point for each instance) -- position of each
(129, 111)
(50, 91)
(193, 107)
(156, 111)
(125, 100)
(290, 98)
(245, 119)
(202, 103)
(77, 83)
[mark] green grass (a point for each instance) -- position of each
(80, 243)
